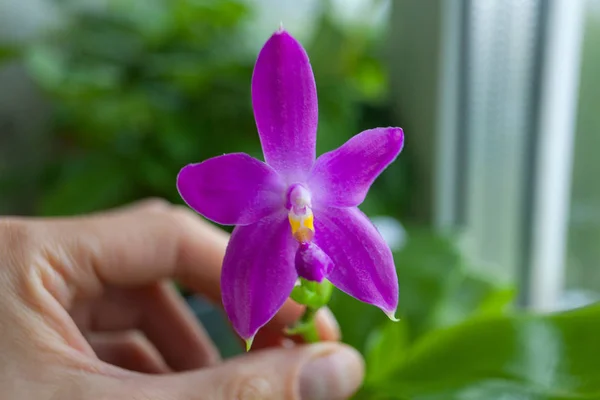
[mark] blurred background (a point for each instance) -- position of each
(492, 209)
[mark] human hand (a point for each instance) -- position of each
(87, 311)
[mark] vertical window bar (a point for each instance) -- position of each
(553, 163)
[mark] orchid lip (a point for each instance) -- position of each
(312, 263)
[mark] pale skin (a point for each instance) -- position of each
(88, 311)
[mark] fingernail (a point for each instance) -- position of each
(331, 376)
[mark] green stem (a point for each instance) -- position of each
(309, 332)
(313, 295)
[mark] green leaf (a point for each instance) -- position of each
(439, 287)
(356, 319)
(525, 357)
(469, 295)
(385, 348)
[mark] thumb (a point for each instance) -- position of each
(323, 371)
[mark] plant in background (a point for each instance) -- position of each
(142, 87)
(147, 86)
(298, 225)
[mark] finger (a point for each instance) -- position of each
(175, 330)
(166, 320)
(150, 204)
(322, 371)
(141, 246)
(129, 350)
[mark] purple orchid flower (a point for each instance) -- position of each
(295, 216)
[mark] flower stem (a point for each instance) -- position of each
(313, 295)
(309, 333)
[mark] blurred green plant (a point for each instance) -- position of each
(438, 288)
(141, 88)
(8, 53)
(521, 357)
(460, 339)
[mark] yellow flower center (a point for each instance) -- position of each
(303, 227)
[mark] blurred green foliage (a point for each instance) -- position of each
(460, 339)
(141, 88)
(438, 288)
(520, 357)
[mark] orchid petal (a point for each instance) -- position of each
(258, 273)
(364, 266)
(284, 98)
(342, 177)
(232, 189)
